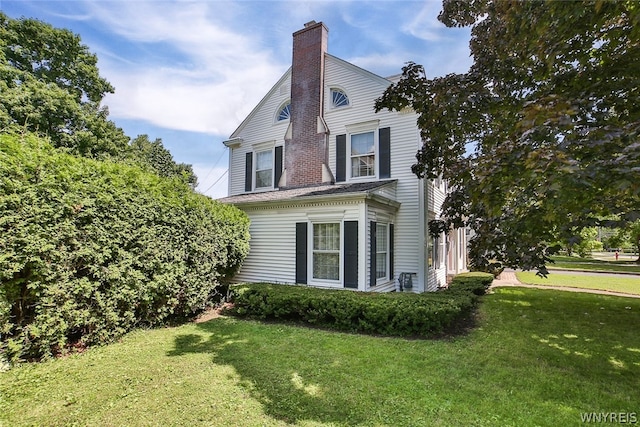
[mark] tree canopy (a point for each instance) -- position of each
(551, 106)
(160, 160)
(629, 235)
(50, 84)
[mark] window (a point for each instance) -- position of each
(434, 253)
(363, 159)
(326, 251)
(381, 250)
(264, 169)
(339, 98)
(364, 152)
(285, 112)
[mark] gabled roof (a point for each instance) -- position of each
(365, 190)
(368, 74)
(261, 103)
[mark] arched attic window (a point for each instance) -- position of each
(339, 98)
(284, 113)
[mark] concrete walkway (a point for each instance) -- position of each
(508, 278)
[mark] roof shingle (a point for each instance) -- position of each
(293, 194)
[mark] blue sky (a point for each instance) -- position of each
(189, 72)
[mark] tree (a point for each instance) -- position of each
(627, 235)
(584, 243)
(160, 160)
(551, 105)
(50, 84)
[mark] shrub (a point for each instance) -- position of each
(474, 282)
(399, 314)
(92, 249)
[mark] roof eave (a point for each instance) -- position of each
(349, 197)
(276, 86)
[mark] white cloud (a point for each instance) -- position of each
(208, 78)
(425, 24)
(452, 57)
(383, 64)
(202, 65)
(173, 99)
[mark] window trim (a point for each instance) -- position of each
(372, 126)
(280, 110)
(255, 169)
(315, 280)
(374, 154)
(385, 276)
(259, 148)
(340, 90)
(382, 152)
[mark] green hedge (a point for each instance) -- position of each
(91, 249)
(474, 282)
(399, 314)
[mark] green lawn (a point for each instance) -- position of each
(577, 263)
(626, 284)
(536, 357)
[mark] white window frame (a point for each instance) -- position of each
(344, 92)
(356, 157)
(256, 170)
(280, 108)
(385, 276)
(262, 147)
(339, 252)
(372, 126)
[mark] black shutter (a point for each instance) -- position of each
(301, 252)
(351, 254)
(384, 141)
(390, 251)
(278, 166)
(248, 172)
(341, 158)
(373, 248)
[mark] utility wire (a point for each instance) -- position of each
(215, 164)
(217, 180)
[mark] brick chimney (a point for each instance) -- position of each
(306, 145)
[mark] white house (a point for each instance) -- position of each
(327, 182)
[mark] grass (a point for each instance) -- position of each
(626, 284)
(592, 264)
(537, 357)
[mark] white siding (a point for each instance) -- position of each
(457, 256)
(273, 240)
(387, 216)
(261, 126)
(272, 254)
(362, 89)
(437, 277)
